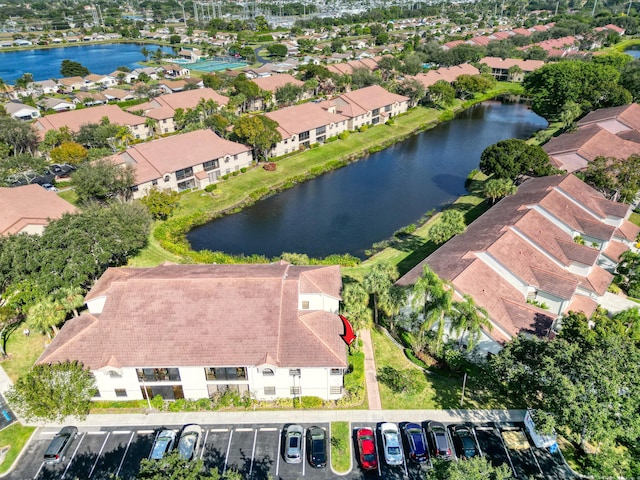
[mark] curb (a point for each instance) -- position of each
(341, 474)
(19, 457)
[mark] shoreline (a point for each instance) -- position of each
(169, 237)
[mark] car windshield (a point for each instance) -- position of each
(161, 446)
(369, 457)
(394, 450)
(293, 442)
(187, 443)
(317, 446)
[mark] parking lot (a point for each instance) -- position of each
(256, 451)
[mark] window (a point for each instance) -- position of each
(387, 108)
(121, 392)
(114, 374)
(134, 188)
(321, 130)
(294, 371)
(226, 159)
(226, 373)
(376, 111)
(336, 371)
(218, 388)
(335, 390)
(304, 136)
(158, 374)
(269, 390)
(167, 392)
(97, 394)
(375, 121)
(187, 184)
(305, 305)
(210, 165)
(296, 390)
(184, 173)
(154, 182)
(267, 372)
(235, 157)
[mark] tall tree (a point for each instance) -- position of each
(432, 299)
(450, 223)
(496, 188)
(514, 159)
(71, 299)
(69, 68)
(259, 132)
(469, 319)
(355, 303)
(102, 181)
(46, 315)
(474, 468)
(53, 392)
(377, 281)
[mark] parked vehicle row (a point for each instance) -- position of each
(316, 445)
(422, 443)
(187, 446)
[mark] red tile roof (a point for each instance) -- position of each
(29, 205)
(302, 118)
(583, 304)
(507, 63)
(615, 249)
(74, 119)
(188, 99)
(448, 74)
(273, 82)
(205, 315)
(154, 159)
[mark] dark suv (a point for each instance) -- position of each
(57, 449)
(439, 440)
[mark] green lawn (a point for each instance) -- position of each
(69, 195)
(635, 218)
(437, 390)
(15, 436)
(340, 446)
(22, 352)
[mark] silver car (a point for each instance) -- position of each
(391, 441)
(163, 444)
(293, 444)
(189, 442)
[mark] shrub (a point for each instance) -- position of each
(400, 381)
(210, 188)
(314, 145)
(235, 173)
(225, 177)
(331, 139)
(390, 122)
(311, 402)
(157, 402)
(243, 170)
(363, 128)
(344, 135)
(377, 148)
(269, 166)
(446, 116)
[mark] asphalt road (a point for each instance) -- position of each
(255, 451)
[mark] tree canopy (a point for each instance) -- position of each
(259, 132)
(103, 180)
(589, 84)
(514, 159)
(474, 468)
(584, 383)
(69, 68)
(53, 392)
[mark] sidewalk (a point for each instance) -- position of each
(370, 375)
(288, 416)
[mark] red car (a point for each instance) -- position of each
(367, 447)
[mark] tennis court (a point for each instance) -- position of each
(215, 66)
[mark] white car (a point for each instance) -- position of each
(189, 442)
(163, 444)
(391, 441)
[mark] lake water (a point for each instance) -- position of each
(634, 52)
(45, 63)
(348, 210)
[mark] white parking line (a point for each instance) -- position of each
(204, 444)
(267, 429)
(99, 453)
(219, 430)
(253, 452)
(125, 453)
(536, 460)
(506, 450)
(120, 432)
(450, 440)
(477, 442)
(278, 454)
(72, 456)
(38, 472)
(404, 460)
(375, 444)
(97, 433)
(304, 464)
(226, 458)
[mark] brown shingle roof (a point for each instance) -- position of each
(190, 98)
(273, 82)
(303, 117)
(204, 315)
(615, 249)
(29, 205)
(583, 304)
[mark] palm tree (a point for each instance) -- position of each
(151, 124)
(391, 302)
(45, 315)
(355, 301)
(145, 53)
(123, 136)
(432, 298)
(71, 298)
(467, 317)
(377, 281)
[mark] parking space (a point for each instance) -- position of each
(256, 451)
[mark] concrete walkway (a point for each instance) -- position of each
(287, 416)
(370, 375)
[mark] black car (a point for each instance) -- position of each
(62, 170)
(439, 440)
(317, 447)
(464, 442)
(57, 449)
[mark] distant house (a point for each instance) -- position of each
(181, 162)
(347, 68)
(70, 84)
(44, 87)
(104, 81)
(607, 132)
(448, 74)
(89, 98)
(75, 119)
(367, 106)
(196, 331)
(273, 82)
(118, 95)
(126, 77)
(500, 67)
(173, 70)
(163, 107)
(29, 209)
(57, 104)
(21, 111)
(521, 261)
